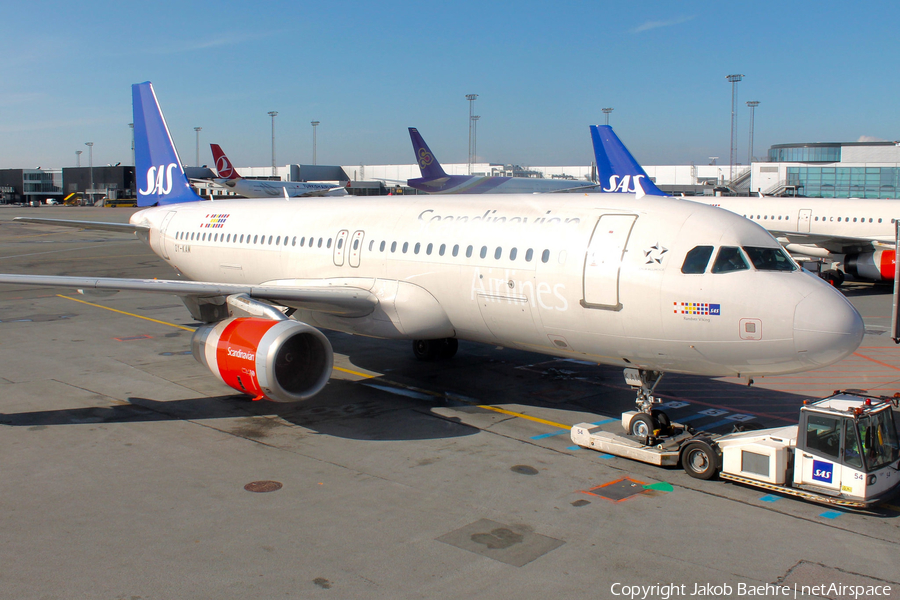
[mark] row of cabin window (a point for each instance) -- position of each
(839, 219)
(429, 248)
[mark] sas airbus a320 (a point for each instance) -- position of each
(647, 283)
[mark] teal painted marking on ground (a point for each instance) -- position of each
(831, 514)
(770, 498)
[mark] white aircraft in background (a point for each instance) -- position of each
(857, 234)
(650, 284)
(260, 188)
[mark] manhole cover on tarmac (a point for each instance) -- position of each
(618, 490)
(263, 486)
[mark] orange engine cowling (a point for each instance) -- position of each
(874, 266)
(283, 361)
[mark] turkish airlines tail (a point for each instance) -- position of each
(223, 166)
(617, 170)
(158, 171)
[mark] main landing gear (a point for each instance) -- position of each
(441, 349)
(649, 421)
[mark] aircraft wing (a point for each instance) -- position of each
(340, 301)
(832, 243)
(117, 227)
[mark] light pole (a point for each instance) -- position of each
(606, 112)
(90, 146)
(471, 99)
(314, 124)
(197, 155)
(273, 114)
(474, 137)
(131, 125)
(752, 104)
(734, 79)
(78, 157)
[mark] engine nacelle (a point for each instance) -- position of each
(874, 266)
(283, 361)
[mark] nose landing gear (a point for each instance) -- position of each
(649, 421)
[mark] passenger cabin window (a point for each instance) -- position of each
(696, 260)
(528, 255)
(545, 256)
(730, 259)
(769, 259)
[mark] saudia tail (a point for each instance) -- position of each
(428, 164)
(223, 166)
(616, 167)
(158, 172)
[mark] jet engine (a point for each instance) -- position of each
(873, 266)
(283, 361)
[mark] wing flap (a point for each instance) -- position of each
(340, 301)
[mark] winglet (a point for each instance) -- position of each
(156, 159)
(428, 164)
(616, 168)
(223, 166)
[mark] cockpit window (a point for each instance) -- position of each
(729, 259)
(769, 259)
(696, 260)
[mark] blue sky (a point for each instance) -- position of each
(822, 71)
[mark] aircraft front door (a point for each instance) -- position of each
(603, 261)
(803, 220)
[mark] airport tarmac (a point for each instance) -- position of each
(125, 464)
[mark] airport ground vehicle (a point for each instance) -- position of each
(844, 450)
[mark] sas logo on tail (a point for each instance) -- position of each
(425, 158)
(159, 180)
(624, 184)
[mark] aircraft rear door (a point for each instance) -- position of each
(603, 261)
(161, 242)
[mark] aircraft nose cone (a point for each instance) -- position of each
(826, 328)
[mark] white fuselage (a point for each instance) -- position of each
(584, 276)
(864, 219)
(258, 188)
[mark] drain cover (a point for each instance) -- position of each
(618, 490)
(263, 486)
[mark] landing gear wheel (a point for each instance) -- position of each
(699, 460)
(642, 425)
(447, 348)
(426, 350)
(833, 276)
(662, 418)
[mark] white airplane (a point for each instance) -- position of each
(650, 284)
(857, 234)
(258, 188)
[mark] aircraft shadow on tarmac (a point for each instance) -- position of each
(365, 417)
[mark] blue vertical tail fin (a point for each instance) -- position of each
(617, 170)
(428, 164)
(158, 172)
